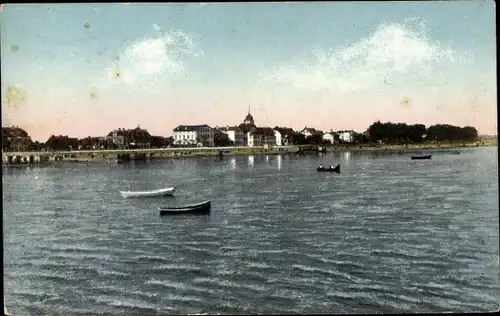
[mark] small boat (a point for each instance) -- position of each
(421, 157)
(202, 208)
(329, 169)
(152, 193)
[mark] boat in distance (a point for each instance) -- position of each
(151, 193)
(421, 157)
(329, 169)
(202, 208)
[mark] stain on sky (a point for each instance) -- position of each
(15, 97)
(406, 102)
(116, 74)
(93, 94)
(87, 25)
(14, 48)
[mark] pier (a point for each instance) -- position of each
(142, 154)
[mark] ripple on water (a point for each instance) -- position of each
(361, 244)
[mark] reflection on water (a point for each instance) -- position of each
(346, 156)
(233, 163)
(267, 158)
(382, 236)
(279, 161)
(251, 160)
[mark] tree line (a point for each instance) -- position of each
(403, 133)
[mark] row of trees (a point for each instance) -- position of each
(403, 133)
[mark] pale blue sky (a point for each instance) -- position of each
(318, 64)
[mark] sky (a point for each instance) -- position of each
(86, 69)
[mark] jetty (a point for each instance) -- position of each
(140, 154)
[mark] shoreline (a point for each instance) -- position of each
(182, 153)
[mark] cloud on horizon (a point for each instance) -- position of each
(393, 52)
(148, 63)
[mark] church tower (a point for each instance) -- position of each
(249, 119)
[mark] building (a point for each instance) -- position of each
(89, 143)
(346, 136)
(330, 137)
(130, 138)
(309, 131)
(194, 135)
(62, 143)
(235, 134)
(15, 139)
(261, 136)
(283, 136)
(247, 125)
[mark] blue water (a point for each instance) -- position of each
(387, 234)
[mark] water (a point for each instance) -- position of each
(388, 234)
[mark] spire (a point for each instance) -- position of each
(249, 109)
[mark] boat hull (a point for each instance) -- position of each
(196, 209)
(146, 194)
(421, 157)
(323, 169)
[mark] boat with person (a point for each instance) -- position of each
(151, 193)
(329, 169)
(421, 157)
(202, 208)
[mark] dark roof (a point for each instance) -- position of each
(309, 129)
(264, 131)
(246, 127)
(189, 128)
(129, 132)
(284, 130)
(349, 131)
(230, 128)
(14, 132)
(249, 117)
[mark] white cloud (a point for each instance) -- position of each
(147, 63)
(394, 51)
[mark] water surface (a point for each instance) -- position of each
(388, 234)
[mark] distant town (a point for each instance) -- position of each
(15, 139)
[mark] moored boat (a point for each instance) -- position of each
(421, 157)
(151, 193)
(202, 208)
(329, 169)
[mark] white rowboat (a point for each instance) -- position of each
(152, 193)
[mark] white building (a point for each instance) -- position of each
(194, 135)
(308, 131)
(329, 137)
(261, 136)
(346, 136)
(283, 136)
(235, 134)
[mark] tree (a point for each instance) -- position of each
(316, 139)
(5, 141)
(299, 139)
(222, 140)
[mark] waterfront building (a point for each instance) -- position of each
(61, 142)
(346, 136)
(309, 131)
(126, 138)
(261, 136)
(283, 136)
(247, 125)
(15, 139)
(235, 134)
(330, 137)
(194, 135)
